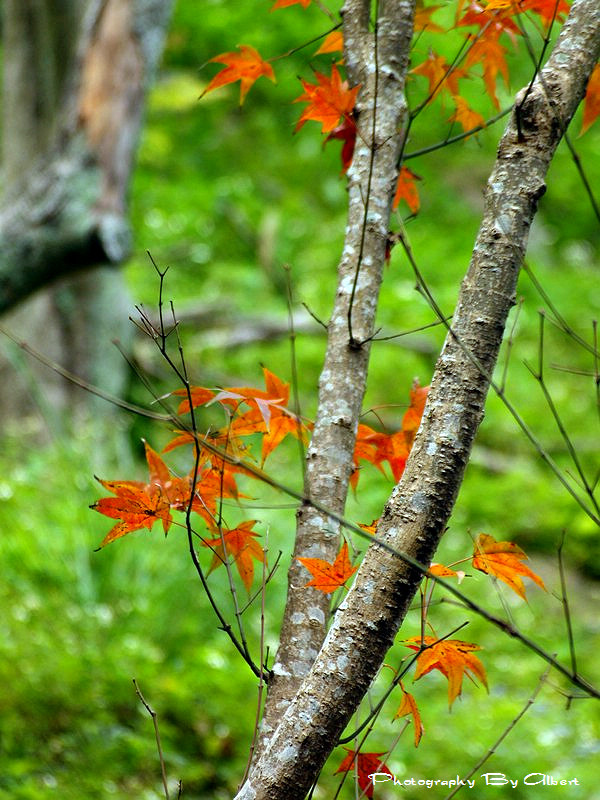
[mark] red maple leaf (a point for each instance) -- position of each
(329, 100)
(491, 24)
(365, 765)
(591, 103)
(547, 9)
(139, 505)
(346, 132)
(246, 66)
(395, 448)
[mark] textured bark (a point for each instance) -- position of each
(378, 63)
(74, 88)
(417, 512)
(75, 78)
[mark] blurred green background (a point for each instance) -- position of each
(225, 196)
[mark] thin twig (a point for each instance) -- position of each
(505, 733)
(565, 602)
(157, 735)
(294, 366)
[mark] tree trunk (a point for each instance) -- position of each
(380, 69)
(415, 517)
(75, 78)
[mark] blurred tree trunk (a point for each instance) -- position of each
(75, 78)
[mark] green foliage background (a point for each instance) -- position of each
(225, 196)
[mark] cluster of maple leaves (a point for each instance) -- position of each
(224, 454)
(491, 25)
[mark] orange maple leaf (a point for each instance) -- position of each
(199, 396)
(364, 765)
(267, 415)
(176, 490)
(212, 484)
(465, 115)
(137, 506)
(395, 448)
(452, 657)
(490, 53)
(408, 706)
(240, 544)
(492, 24)
(332, 43)
(440, 74)
(591, 103)
(406, 190)
(446, 572)
(286, 3)
(370, 529)
(365, 449)
(547, 9)
(503, 560)
(246, 66)
(222, 439)
(423, 18)
(328, 100)
(275, 394)
(328, 577)
(412, 417)
(391, 447)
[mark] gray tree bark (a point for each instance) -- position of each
(75, 79)
(379, 65)
(416, 514)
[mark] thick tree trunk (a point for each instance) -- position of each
(75, 79)
(416, 515)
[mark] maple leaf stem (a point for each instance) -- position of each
(304, 45)
(459, 137)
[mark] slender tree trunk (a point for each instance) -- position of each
(416, 514)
